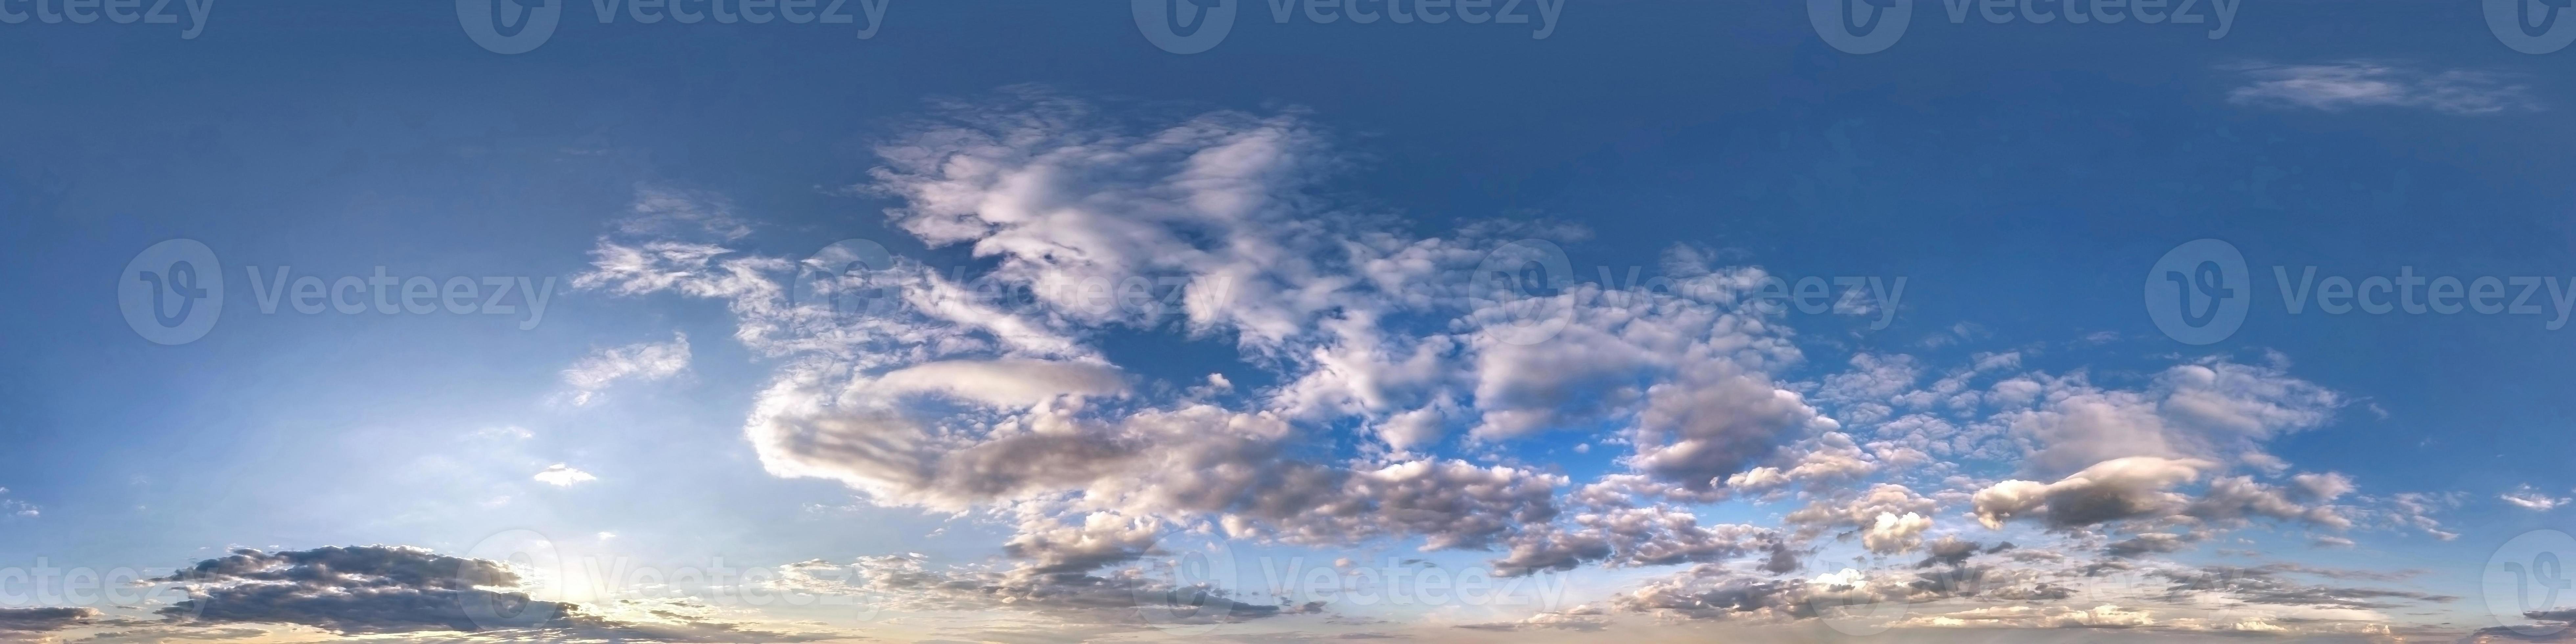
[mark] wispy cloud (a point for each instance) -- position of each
(2351, 84)
(16, 508)
(2531, 499)
(646, 361)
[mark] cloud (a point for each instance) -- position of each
(2208, 410)
(647, 361)
(37, 620)
(906, 582)
(2338, 86)
(561, 475)
(2113, 490)
(363, 589)
(2269, 585)
(2534, 500)
(1397, 401)
(16, 509)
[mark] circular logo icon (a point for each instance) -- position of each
(528, 589)
(1518, 292)
(2531, 26)
(2199, 292)
(1189, 594)
(1860, 26)
(1185, 26)
(834, 283)
(509, 26)
(2528, 580)
(172, 292)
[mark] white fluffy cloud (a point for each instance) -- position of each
(561, 475)
(1401, 390)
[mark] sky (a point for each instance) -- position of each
(1286, 320)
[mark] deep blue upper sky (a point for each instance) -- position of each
(2021, 177)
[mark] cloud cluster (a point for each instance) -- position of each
(1406, 375)
(363, 589)
(954, 403)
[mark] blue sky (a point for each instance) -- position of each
(1324, 197)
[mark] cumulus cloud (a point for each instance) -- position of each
(646, 361)
(561, 475)
(2113, 490)
(2344, 85)
(1398, 394)
(364, 589)
(2209, 410)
